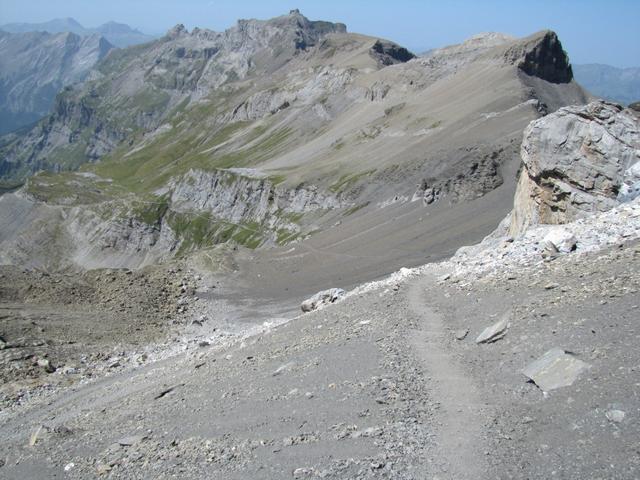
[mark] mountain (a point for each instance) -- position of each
(58, 25)
(117, 34)
(611, 83)
(275, 131)
(511, 359)
(35, 66)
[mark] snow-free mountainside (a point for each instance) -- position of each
(290, 251)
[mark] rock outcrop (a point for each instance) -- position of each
(541, 55)
(389, 53)
(577, 161)
(241, 196)
(322, 299)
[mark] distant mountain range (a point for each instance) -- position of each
(611, 83)
(117, 34)
(35, 66)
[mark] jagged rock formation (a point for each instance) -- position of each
(541, 55)
(247, 196)
(35, 66)
(577, 161)
(389, 53)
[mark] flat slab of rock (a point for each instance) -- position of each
(496, 331)
(555, 369)
(322, 299)
(131, 441)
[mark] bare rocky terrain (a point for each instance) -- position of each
(382, 384)
(374, 293)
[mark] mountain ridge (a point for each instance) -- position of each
(119, 34)
(313, 125)
(611, 83)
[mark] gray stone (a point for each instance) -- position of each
(615, 416)
(46, 364)
(131, 441)
(555, 369)
(322, 299)
(461, 334)
(496, 331)
(563, 240)
(577, 161)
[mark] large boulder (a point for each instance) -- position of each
(577, 161)
(322, 299)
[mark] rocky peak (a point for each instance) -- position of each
(577, 161)
(292, 30)
(177, 31)
(389, 53)
(541, 55)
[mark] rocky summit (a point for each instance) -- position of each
(286, 250)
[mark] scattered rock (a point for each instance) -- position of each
(34, 436)
(444, 277)
(555, 369)
(282, 368)
(496, 331)
(167, 391)
(46, 364)
(563, 240)
(131, 441)
(615, 416)
(461, 334)
(550, 251)
(551, 286)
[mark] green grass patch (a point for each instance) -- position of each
(150, 211)
(202, 230)
(345, 182)
(355, 208)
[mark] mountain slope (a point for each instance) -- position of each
(35, 66)
(611, 83)
(118, 34)
(274, 130)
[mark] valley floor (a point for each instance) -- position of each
(385, 384)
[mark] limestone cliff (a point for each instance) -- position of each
(577, 161)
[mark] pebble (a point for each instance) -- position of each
(615, 416)
(461, 334)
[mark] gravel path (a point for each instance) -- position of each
(459, 426)
(384, 384)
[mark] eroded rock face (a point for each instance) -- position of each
(389, 53)
(541, 55)
(577, 161)
(247, 196)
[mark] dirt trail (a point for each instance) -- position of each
(459, 450)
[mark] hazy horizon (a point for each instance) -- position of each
(416, 25)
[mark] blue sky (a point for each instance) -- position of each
(592, 31)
